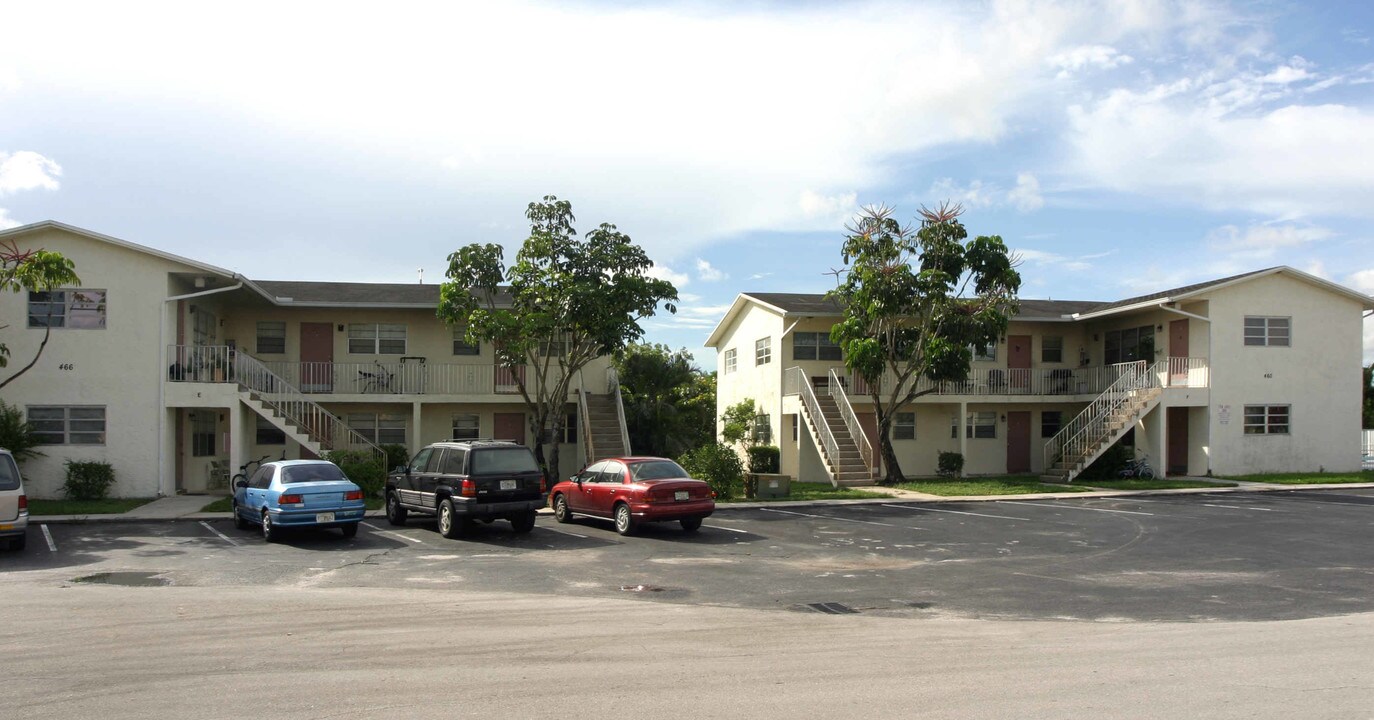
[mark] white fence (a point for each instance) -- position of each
(1367, 447)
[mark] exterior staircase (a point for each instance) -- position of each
(848, 466)
(603, 421)
(834, 428)
(289, 410)
(1135, 393)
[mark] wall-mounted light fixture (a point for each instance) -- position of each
(1160, 327)
(340, 327)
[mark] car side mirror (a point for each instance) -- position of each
(400, 470)
(241, 484)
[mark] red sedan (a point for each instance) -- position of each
(634, 490)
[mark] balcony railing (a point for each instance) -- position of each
(1175, 372)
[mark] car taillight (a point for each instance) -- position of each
(353, 495)
(469, 489)
(290, 500)
(23, 503)
(543, 487)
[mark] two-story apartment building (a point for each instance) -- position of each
(1258, 372)
(177, 372)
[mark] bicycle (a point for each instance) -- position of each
(244, 473)
(1138, 469)
(379, 381)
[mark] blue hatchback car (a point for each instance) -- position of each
(298, 493)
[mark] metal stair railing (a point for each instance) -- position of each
(1079, 435)
(585, 414)
(318, 424)
(795, 380)
(851, 420)
(613, 389)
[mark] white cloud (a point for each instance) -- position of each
(1261, 242)
(1098, 56)
(706, 273)
(663, 272)
(1049, 260)
(1025, 196)
(26, 170)
(7, 222)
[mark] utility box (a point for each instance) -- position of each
(772, 485)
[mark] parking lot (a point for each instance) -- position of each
(1220, 557)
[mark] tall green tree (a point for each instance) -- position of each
(564, 302)
(36, 271)
(669, 402)
(1369, 397)
(915, 300)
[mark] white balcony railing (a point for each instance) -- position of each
(1177, 372)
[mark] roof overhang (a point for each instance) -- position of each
(1365, 301)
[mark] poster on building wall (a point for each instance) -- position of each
(1224, 414)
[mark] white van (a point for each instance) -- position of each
(14, 504)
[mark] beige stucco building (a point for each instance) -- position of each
(1254, 373)
(177, 372)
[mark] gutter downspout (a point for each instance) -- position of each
(162, 489)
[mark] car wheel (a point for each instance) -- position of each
(451, 525)
(561, 512)
(523, 523)
(350, 530)
(691, 524)
(239, 522)
(395, 514)
(624, 524)
(270, 533)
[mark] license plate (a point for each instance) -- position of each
(680, 495)
(324, 517)
(6, 527)
(508, 484)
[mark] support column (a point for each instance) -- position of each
(417, 424)
(1162, 432)
(238, 442)
(962, 430)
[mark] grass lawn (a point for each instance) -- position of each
(1364, 476)
(223, 505)
(994, 485)
(817, 491)
(85, 507)
(1142, 484)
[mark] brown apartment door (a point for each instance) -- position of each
(1178, 348)
(1019, 360)
(1177, 419)
(509, 426)
(317, 357)
(1018, 442)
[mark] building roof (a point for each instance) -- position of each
(1185, 290)
(300, 292)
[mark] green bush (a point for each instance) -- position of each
(1108, 465)
(16, 434)
(88, 480)
(396, 456)
(764, 459)
(719, 465)
(362, 467)
(950, 464)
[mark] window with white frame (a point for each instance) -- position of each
(461, 346)
(978, 426)
(815, 346)
(1052, 348)
(466, 426)
(763, 351)
(78, 308)
(904, 426)
(380, 428)
(1266, 419)
(1129, 345)
(569, 429)
(68, 424)
(731, 359)
(271, 337)
(204, 327)
(1267, 331)
(203, 434)
(763, 430)
(987, 351)
(376, 339)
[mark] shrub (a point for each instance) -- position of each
(16, 434)
(950, 464)
(88, 480)
(764, 459)
(396, 456)
(362, 467)
(1108, 465)
(719, 465)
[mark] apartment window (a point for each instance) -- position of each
(763, 351)
(987, 351)
(730, 361)
(1266, 419)
(380, 428)
(1129, 345)
(269, 434)
(204, 327)
(1267, 331)
(763, 430)
(67, 308)
(68, 425)
(815, 346)
(979, 425)
(203, 434)
(796, 428)
(570, 428)
(376, 339)
(466, 427)
(461, 346)
(904, 426)
(1050, 423)
(1052, 349)
(271, 338)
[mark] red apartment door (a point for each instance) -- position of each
(1019, 360)
(509, 426)
(1177, 419)
(1178, 348)
(317, 357)
(1018, 442)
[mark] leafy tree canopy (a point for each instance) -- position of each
(31, 270)
(670, 404)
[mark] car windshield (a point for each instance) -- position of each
(9, 473)
(657, 470)
(489, 461)
(323, 472)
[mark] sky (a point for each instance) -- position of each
(1118, 148)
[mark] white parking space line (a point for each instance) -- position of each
(1072, 507)
(47, 535)
(955, 512)
(393, 534)
(733, 530)
(827, 517)
(564, 532)
(1237, 507)
(221, 535)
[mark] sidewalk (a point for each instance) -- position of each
(187, 507)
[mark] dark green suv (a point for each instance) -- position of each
(464, 481)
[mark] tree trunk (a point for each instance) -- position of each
(892, 468)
